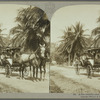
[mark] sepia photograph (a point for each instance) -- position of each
(49, 49)
(75, 50)
(24, 49)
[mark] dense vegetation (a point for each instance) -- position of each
(32, 29)
(74, 43)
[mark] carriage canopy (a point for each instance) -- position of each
(95, 52)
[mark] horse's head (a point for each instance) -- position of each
(16, 55)
(42, 50)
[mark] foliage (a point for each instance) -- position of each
(96, 35)
(2, 39)
(73, 42)
(33, 28)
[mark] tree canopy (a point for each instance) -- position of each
(96, 35)
(32, 29)
(73, 42)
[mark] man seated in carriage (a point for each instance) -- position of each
(83, 61)
(3, 56)
(8, 53)
(86, 60)
(15, 55)
(8, 56)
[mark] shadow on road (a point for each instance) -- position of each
(95, 74)
(13, 74)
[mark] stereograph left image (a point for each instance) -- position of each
(24, 49)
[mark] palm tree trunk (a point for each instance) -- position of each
(74, 57)
(69, 60)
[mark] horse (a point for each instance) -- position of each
(43, 56)
(25, 60)
(77, 65)
(6, 63)
(85, 63)
(35, 59)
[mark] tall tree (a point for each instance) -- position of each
(96, 35)
(74, 41)
(2, 42)
(33, 28)
(65, 45)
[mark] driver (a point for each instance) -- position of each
(3, 55)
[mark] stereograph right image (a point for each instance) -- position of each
(75, 50)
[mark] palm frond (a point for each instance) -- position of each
(33, 26)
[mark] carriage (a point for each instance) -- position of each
(8, 62)
(21, 61)
(95, 52)
(91, 62)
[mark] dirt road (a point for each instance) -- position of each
(15, 85)
(65, 80)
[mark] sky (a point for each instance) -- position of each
(69, 15)
(8, 13)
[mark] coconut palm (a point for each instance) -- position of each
(80, 41)
(65, 45)
(74, 41)
(2, 42)
(32, 29)
(96, 37)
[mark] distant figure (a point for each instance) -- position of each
(76, 64)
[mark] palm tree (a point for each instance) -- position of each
(96, 36)
(65, 45)
(74, 41)
(32, 29)
(80, 41)
(2, 42)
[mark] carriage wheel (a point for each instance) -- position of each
(6, 70)
(89, 71)
(92, 72)
(26, 72)
(10, 70)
